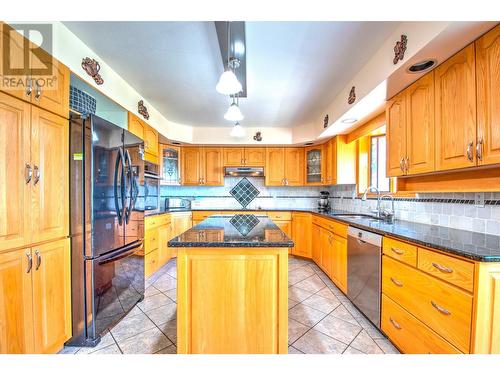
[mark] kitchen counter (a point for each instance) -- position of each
(233, 231)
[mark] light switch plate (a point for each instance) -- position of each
(479, 199)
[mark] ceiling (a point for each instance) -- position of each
(294, 69)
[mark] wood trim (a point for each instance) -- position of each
(367, 127)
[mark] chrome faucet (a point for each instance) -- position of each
(385, 214)
(363, 198)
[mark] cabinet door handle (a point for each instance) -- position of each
(242, 161)
(38, 260)
(442, 310)
(479, 149)
(401, 165)
(396, 282)
(469, 151)
(29, 88)
(397, 251)
(442, 268)
(28, 173)
(407, 165)
(394, 323)
(38, 90)
(37, 174)
(30, 262)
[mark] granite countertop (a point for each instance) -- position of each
(472, 245)
(233, 231)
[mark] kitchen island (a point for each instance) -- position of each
(232, 286)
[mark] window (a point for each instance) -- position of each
(378, 177)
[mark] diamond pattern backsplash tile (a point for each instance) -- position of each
(244, 223)
(244, 192)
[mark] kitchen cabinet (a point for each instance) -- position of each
(49, 91)
(38, 188)
(51, 274)
(36, 282)
(326, 241)
(170, 164)
(49, 157)
(244, 156)
(16, 315)
(159, 230)
(301, 234)
(488, 97)
(455, 111)
(316, 243)
(339, 161)
(202, 166)
(165, 235)
(396, 135)
(147, 133)
(339, 262)
(315, 166)
(284, 166)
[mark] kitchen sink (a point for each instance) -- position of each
(358, 216)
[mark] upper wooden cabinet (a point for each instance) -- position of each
(202, 166)
(284, 166)
(147, 133)
(315, 166)
(45, 80)
(396, 135)
(35, 150)
(170, 164)
(455, 98)
(339, 161)
(488, 97)
(244, 156)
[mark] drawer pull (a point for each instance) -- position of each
(397, 251)
(394, 323)
(396, 282)
(442, 310)
(442, 268)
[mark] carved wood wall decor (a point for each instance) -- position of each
(400, 49)
(92, 67)
(352, 96)
(325, 121)
(257, 137)
(142, 109)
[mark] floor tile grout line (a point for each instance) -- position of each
(116, 342)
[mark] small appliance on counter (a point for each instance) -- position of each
(324, 201)
(177, 203)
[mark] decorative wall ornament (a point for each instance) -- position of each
(92, 67)
(325, 121)
(352, 95)
(400, 49)
(142, 109)
(257, 137)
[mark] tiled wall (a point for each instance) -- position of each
(455, 210)
(269, 197)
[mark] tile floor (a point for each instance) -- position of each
(320, 319)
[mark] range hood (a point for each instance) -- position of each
(244, 171)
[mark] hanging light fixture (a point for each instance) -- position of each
(233, 112)
(237, 130)
(228, 82)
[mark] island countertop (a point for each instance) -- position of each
(242, 230)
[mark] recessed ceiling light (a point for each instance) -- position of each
(176, 143)
(421, 66)
(308, 144)
(349, 120)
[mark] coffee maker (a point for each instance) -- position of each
(324, 201)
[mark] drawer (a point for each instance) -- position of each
(409, 334)
(151, 222)
(446, 309)
(151, 240)
(202, 215)
(336, 227)
(278, 215)
(150, 263)
(401, 251)
(455, 271)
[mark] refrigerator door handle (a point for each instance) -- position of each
(119, 212)
(131, 180)
(122, 253)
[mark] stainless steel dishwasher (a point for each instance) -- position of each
(364, 252)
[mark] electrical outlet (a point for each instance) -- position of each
(479, 199)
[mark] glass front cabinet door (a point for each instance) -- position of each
(314, 165)
(170, 165)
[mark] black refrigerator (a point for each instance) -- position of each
(107, 225)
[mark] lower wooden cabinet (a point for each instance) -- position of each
(339, 262)
(35, 298)
(301, 234)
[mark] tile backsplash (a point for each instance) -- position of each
(454, 210)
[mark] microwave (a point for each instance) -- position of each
(151, 170)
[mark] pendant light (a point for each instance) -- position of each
(233, 112)
(228, 82)
(237, 130)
